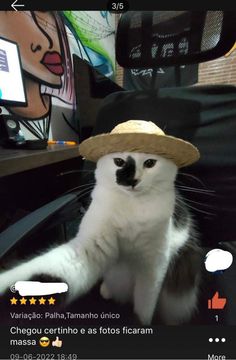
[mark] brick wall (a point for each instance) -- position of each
(119, 69)
(119, 75)
(222, 70)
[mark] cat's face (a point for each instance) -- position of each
(135, 172)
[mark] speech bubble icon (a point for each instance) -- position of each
(218, 260)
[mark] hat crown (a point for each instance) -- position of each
(143, 137)
(137, 126)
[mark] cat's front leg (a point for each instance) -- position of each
(57, 263)
(147, 289)
(80, 263)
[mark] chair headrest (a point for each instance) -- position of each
(147, 39)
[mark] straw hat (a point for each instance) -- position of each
(139, 136)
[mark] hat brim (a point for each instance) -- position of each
(181, 152)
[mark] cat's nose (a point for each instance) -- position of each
(134, 182)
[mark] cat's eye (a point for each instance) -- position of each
(119, 162)
(149, 163)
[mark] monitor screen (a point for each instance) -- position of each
(10, 73)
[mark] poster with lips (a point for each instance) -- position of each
(53, 61)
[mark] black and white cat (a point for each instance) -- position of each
(135, 236)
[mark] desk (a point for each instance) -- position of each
(30, 179)
(13, 161)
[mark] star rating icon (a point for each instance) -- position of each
(51, 301)
(13, 301)
(23, 301)
(33, 301)
(42, 301)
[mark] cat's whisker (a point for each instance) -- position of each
(88, 172)
(194, 208)
(198, 210)
(196, 190)
(199, 203)
(82, 187)
(82, 194)
(193, 187)
(193, 177)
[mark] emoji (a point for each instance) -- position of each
(44, 341)
(57, 342)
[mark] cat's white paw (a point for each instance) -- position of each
(8, 278)
(6, 282)
(104, 291)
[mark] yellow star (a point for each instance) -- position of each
(13, 301)
(42, 301)
(32, 301)
(51, 301)
(23, 301)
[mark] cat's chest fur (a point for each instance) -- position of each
(140, 223)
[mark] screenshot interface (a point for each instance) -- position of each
(117, 238)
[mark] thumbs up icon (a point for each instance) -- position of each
(57, 342)
(216, 302)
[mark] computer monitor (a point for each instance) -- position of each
(12, 89)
